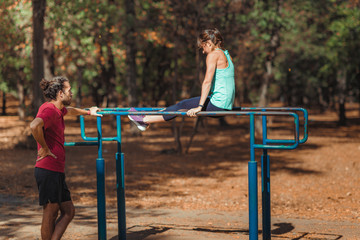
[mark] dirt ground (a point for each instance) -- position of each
(319, 180)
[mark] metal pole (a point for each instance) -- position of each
(100, 176)
(253, 197)
(120, 184)
(265, 185)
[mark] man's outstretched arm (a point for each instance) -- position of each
(78, 111)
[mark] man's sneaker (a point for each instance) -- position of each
(138, 120)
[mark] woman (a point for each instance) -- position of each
(218, 87)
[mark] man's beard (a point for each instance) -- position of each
(66, 102)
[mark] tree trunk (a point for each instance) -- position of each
(321, 100)
(21, 97)
(3, 103)
(110, 79)
(273, 45)
(49, 58)
(131, 52)
(79, 81)
(176, 127)
(245, 92)
(39, 7)
(130, 43)
(341, 81)
(265, 84)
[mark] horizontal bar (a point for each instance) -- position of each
(280, 141)
(265, 146)
(92, 139)
(203, 113)
(269, 108)
(80, 143)
(136, 108)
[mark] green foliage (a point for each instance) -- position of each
(15, 44)
(316, 38)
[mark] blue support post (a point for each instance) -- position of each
(120, 185)
(265, 185)
(253, 195)
(100, 176)
(266, 214)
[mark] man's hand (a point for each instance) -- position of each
(43, 152)
(94, 110)
(192, 112)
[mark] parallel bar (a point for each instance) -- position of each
(265, 185)
(118, 133)
(252, 176)
(203, 113)
(303, 110)
(210, 113)
(242, 109)
(137, 108)
(80, 143)
(100, 176)
(85, 138)
(280, 141)
(120, 184)
(280, 147)
(266, 213)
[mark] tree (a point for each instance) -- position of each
(14, 52)
(130, 43)
(39, 7)
(343, 50)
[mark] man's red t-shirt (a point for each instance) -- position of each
(54, 128)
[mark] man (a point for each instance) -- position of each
(48, 130)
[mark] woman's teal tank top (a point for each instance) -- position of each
(223, 85)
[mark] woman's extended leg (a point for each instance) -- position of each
(143, 121)
(183, 105)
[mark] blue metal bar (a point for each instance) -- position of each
(136, 108)
(266, 203)
(204, 113)
(281, 141)
(153, 111)
(303, 110)
(296, 138)
(265, 185)
(249, 109)
(252, 176)
(304, 139)
(80, 143)
(223, 113)
(279, 147)
(85, 138)
(120, 184)
(100, 176)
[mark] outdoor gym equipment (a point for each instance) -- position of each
(252, 112)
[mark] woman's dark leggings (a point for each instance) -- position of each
(188, 104)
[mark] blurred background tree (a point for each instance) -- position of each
(142, 52)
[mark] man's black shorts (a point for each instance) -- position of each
(52, 186)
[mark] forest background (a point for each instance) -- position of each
(142, 52)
